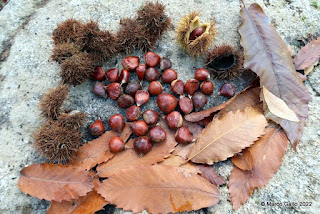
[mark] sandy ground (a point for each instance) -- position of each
(26, 72)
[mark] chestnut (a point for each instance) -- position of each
(157, 134)
(155, 88)
(191, 86)
(96, 128)
(124, 76)
(227, 90)
(98, 73)
(150, 116)
(116, 122)
(165, 63)
(199, 100)
(202, 74)
(152, 74)
(133, 113)
(142, 145)
(169, 75)
(114, 90)
(125, 101)
(185, 105)
(130, 63)
(183, 135)
(116, 144)
(167, 102)
(99, 89)
(112, 74)
(132, 87)
(141, 70)
(151, 59)
(177, 87)
(141, 97)
(174, 120)
(139, 127)
(198, 31)
(207, 87)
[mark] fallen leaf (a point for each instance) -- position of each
(308, 55)
(277, 106)
(267, 55)
(267, 155)
(208, 173)
(54, 182)
(183, 150)
(90, 203)
(158, 189)
(228, 135)
(194, 128)
(177, 161)
(129, 157)
(309, 69)
(97, 151)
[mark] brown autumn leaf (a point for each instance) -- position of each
(182, 150)
(97, 151)
(243, 98)
(177, 161)
(308, 55)
(210, 175)
(158, 189)
(129, 157)
(243, 160)
(267, 55)
(194, 128)
(228, 135)
(54, 182)
(267, 155)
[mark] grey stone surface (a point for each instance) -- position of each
(26, 72)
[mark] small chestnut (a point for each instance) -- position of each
(165, 63)
(124, 76)
(185, 105)
(151, 59)
(96, 128)
(177, 87)
(116, 122)
(199, 100)
(167, 102)
(130, 63)
(99, 89)
(183, 135)
(112, 74)
(152, 74)
(191, 86)
(139, 127)
(201, 74)
(227, 90)
(114, 90)
(157, 134)
(198, 31)
(141, 70)
(142, 145)
(133, 113)
(132, 87)
(98, 73)
(169, 75)
(207, 87)
(125, 101)
(150, 116)
(155, 88)
(141, 97)
(116, 144)
(174, 120)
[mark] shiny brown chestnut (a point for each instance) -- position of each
(199, 100)
(112, 74)
(183, 135)
(207, 87)
(165, 63)
(96, 128)
(142, 145)
(191, 86)
(133, 113)
(152, 74)
(157, 134)
(140, 71)
(227, 90)
(141, 97)
(116, 144)
(124, 76)
(116, 122)
(155, 88)
(132, 87)
(167, 102)
(174, 120)
(202, 74)
(185, 105)
(177, 87)
(125, 101)
(130, 63)
(114, 90)
(169, 75)
(150, 116)
(98, 73)
(151, 59)
(139, 127)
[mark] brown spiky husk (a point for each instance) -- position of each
(226, 50)
(200, 45)
(59, 140)
(51, 102)
(153, 18)
(183, 29)
(76, 69)
(70, 31)
(63, 51)
(130, 35)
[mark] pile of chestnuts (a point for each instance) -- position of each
(130, 96)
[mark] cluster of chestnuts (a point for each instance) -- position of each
(130, 96)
